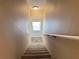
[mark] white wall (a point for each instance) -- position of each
(12, 41)
(62, 47)
(13, 36)
(64, 18)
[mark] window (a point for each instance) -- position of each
(36, 26)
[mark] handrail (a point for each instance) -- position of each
(51, 35)
(64, 36)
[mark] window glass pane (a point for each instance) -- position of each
(36, 26)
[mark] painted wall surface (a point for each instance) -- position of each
(62, 48)
(13, 36)
(64, 18)
(13, 41)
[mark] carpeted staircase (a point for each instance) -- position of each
(36, 50)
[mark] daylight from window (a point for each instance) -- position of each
(36, 26)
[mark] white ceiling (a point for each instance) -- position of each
(36, 2)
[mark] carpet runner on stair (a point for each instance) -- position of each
(36, 50)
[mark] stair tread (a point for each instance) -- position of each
(37, 55)
(37, 58)
(41, 58)
(36, 52)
